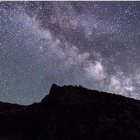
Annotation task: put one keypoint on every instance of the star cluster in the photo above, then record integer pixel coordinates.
(93, 44)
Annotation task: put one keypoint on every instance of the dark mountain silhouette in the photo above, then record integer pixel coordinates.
(72, 113)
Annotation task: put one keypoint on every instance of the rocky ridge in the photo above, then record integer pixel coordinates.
(72, 113)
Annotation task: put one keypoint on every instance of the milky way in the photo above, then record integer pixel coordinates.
(93, 44)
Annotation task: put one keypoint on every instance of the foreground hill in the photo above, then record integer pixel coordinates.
(72, 113)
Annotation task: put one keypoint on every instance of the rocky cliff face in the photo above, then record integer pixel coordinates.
(72, 113)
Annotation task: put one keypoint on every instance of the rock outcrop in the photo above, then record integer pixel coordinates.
(72, 113)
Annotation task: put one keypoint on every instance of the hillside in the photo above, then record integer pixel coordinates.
(72, 113)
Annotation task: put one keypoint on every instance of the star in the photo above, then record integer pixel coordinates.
(93, 44)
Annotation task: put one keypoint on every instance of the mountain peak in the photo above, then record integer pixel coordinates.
(72, 112)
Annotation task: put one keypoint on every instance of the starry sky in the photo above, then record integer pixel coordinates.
(93, 44)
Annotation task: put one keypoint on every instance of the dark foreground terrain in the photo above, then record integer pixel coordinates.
(72, 113)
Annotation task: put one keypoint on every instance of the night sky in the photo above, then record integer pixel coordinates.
(93, 44)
